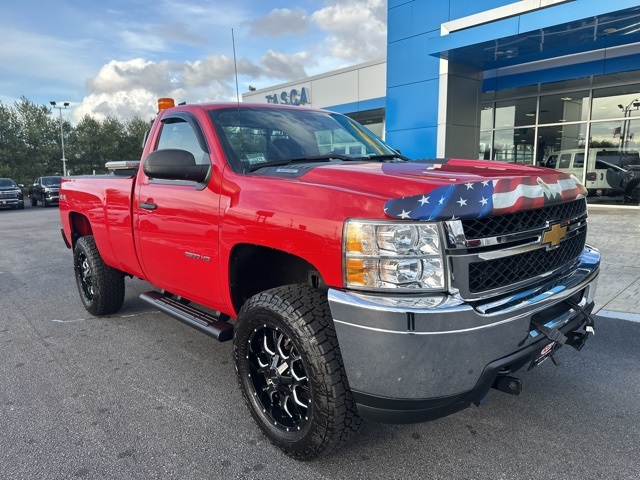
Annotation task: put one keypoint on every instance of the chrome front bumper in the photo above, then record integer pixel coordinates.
(438, 347)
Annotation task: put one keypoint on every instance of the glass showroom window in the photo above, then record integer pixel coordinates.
(485, 146)
(486, 125)
(561, 139)
(515, 113)
(564, 107)
(514, 145)
(616, 102)
(616, 142)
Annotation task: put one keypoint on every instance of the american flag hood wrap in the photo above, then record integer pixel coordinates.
(487, 197)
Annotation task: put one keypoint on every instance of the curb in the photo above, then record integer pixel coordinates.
(630, 317)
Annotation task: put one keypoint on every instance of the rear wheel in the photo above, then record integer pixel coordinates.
(101, 287)
(291, 374)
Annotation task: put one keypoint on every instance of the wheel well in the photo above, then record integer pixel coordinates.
(80, 227)
(254, 268)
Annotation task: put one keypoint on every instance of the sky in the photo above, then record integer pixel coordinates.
(117, 57)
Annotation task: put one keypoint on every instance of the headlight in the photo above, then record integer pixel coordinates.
(393, 255)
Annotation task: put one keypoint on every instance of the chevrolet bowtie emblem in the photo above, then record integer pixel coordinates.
(554, 236)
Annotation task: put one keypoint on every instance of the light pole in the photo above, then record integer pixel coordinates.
(626, 123)
(64, 160)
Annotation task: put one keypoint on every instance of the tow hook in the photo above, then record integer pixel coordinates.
(507, 384)
(578, 339)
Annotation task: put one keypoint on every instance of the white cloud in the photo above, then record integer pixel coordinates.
(137, 73)
(357, 29)
(280, 22)
(213, 69)
(143, 41)
(122, 89)
(122, 104)
(283, 66)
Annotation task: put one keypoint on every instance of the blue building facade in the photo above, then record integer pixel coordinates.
(514, 81)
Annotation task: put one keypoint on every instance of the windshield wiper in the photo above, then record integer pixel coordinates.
(327, 157)
(318, 158)
(389, 156)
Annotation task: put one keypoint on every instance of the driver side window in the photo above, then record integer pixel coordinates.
(177, 133)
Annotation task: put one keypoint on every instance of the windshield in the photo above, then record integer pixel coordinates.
(620, 158)
(257, 137)
(6, 182)
(51, 181)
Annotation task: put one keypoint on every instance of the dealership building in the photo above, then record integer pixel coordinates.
(531, 81)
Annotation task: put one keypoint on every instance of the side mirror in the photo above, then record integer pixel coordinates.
(174, 164)
(21, 185)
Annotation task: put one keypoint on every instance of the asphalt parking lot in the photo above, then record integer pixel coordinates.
(139, 395)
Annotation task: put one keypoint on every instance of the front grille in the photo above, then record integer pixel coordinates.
(501, 272)
(488, 227)
(7, 195)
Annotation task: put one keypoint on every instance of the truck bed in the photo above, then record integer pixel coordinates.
(112, 226)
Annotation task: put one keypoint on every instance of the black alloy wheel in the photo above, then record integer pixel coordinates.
(279, 378)
(290, 371)
(101, 287)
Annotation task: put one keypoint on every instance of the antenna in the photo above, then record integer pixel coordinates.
(235, 68)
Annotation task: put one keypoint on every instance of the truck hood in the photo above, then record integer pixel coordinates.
(451, 189)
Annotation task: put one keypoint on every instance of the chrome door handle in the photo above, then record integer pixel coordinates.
(148, 205)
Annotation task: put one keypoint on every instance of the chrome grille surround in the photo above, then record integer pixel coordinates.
(513, 256)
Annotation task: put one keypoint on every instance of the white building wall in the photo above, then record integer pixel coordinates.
(362, 82)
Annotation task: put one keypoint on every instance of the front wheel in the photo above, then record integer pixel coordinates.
(291, 374)
(101, 287)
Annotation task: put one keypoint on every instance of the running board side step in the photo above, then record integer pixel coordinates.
(202, 321)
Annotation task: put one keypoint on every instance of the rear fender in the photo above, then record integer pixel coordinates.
(80, 227)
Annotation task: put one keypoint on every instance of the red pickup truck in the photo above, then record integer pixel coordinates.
(354, 283)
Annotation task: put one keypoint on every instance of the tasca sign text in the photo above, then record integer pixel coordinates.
(293, 97)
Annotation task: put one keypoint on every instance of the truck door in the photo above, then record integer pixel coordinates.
(177, 221)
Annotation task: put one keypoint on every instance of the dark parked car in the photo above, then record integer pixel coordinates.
(45, 190)
(10, 194)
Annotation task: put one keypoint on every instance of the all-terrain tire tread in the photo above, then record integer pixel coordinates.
(109, 295)
(307, 310)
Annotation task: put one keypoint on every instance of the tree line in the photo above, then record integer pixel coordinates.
(30, 142)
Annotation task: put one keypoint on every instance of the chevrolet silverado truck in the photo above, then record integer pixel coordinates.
(11, 194)
(354, 283)
(45, 190)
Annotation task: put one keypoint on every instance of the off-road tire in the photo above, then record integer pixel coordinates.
(101, 287)
(298, 317)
